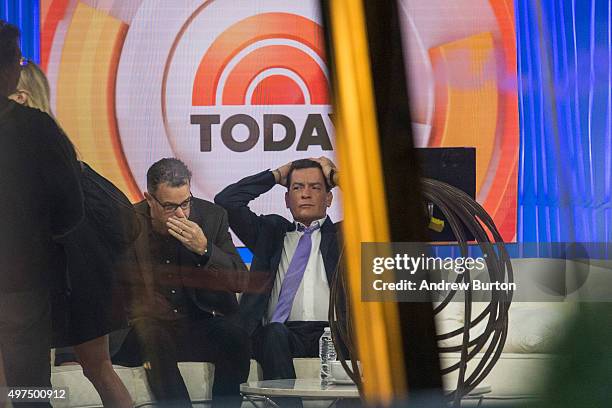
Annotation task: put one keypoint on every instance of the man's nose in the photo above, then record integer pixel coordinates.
(180, 213)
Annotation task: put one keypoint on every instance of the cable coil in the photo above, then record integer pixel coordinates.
(460, 210)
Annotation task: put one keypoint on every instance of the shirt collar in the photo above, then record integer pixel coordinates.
(320, 222)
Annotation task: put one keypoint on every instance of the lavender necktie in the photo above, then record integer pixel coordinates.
(294, 275)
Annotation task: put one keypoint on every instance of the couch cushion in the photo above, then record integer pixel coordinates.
(198, 378)
(81, 392)
(533, 327)
(538, 327)
(513, 376)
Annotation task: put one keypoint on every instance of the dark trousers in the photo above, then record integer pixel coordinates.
(276, 344)
(25, 336)
(163, 343)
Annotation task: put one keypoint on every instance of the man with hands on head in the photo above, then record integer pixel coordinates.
(329, 169)
(181, 281)
(285, 308)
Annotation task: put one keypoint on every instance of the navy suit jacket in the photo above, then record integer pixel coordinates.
(264, 235)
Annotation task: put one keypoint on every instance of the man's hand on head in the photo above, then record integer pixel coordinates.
(330, 171)
(280, 174)
(188, 233)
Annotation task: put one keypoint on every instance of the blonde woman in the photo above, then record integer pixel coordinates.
(33, 88)
(86, 310)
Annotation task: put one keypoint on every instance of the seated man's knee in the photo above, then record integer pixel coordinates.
(243, 345)
(275, 330)
(274, 335)
(237, 342)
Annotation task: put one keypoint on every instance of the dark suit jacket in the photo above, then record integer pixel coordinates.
(211, 280)
(41, 198)
(264, 235)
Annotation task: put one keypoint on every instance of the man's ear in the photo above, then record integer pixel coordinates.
(148, 198)
(287, 199)
(329, 198)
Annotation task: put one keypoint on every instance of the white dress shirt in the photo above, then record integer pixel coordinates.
(311, 302)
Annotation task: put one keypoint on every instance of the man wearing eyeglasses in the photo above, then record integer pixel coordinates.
(182, 280)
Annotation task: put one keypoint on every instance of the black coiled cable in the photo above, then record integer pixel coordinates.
(460, 210)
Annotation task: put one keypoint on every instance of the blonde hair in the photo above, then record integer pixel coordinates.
(34, 83)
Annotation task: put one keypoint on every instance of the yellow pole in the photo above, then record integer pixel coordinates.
(365, 211)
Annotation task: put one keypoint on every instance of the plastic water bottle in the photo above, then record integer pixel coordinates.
(327, 353)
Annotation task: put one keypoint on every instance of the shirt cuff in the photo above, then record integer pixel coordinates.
(202, 260)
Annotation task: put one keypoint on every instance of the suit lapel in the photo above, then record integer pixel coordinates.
(329, 248)
(278, 250)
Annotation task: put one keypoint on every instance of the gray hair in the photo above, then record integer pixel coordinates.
(168, 170)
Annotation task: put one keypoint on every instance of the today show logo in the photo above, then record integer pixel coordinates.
(242, 89)
(266, 60)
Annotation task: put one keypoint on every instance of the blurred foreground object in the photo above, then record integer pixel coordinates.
(462, 211)
(395, 341)
(582, 372)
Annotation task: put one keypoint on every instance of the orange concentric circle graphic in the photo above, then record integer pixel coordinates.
(234, 87)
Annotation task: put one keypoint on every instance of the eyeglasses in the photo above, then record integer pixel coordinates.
(170, 208)
(23, 61)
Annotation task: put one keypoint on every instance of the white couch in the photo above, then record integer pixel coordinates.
(534, 330)
(198, 379)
